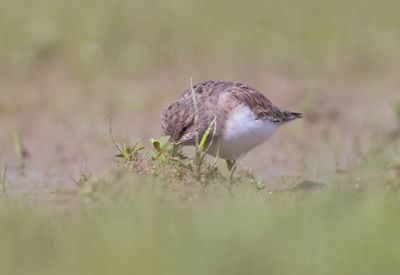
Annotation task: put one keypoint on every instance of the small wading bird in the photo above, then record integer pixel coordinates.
(241, 118)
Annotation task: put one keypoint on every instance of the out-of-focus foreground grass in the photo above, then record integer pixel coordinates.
(132, 36)
(163, 221)
(241, 232)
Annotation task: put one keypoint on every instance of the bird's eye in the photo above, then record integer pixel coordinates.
(183, 131)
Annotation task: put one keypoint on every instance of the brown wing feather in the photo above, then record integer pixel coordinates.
(260, 105)
(256, 101)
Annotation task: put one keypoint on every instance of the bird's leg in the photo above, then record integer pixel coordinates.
(229, 164)
(232, 164)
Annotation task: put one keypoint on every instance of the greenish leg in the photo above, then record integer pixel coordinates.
(232, 164)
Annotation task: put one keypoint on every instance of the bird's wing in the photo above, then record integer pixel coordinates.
(260, 105)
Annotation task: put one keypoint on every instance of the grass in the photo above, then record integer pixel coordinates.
(136, 36)
(144, 232)
(20, 151)
(160, 220)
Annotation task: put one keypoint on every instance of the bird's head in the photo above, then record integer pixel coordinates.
(178, 123)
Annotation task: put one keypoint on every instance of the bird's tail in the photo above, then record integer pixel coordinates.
(291, 116)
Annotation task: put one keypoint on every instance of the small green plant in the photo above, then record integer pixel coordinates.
(162, 148)
(166, 152)
(259, 185)
(204, 138)
(126, 152)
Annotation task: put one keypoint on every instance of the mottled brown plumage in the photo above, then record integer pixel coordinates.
(217, 99)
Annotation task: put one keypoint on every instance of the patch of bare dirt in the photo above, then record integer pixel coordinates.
(63, 121)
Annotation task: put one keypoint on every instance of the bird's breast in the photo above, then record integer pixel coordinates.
(242, 132)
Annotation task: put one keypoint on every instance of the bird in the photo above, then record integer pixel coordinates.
(236, 116)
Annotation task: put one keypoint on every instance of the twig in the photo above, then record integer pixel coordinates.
(205, 136)
(196, 123)
(216, 155)
(113, 139)
(233, 169)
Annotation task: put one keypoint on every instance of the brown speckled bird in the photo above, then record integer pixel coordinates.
(242, 118)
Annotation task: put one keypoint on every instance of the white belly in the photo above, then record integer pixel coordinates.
(242, 133)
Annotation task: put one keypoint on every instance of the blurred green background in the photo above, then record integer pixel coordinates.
(138, 36)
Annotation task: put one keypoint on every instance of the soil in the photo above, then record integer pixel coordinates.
(63, 122)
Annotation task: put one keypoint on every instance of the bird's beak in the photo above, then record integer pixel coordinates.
(184, 141)
(180, 142)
